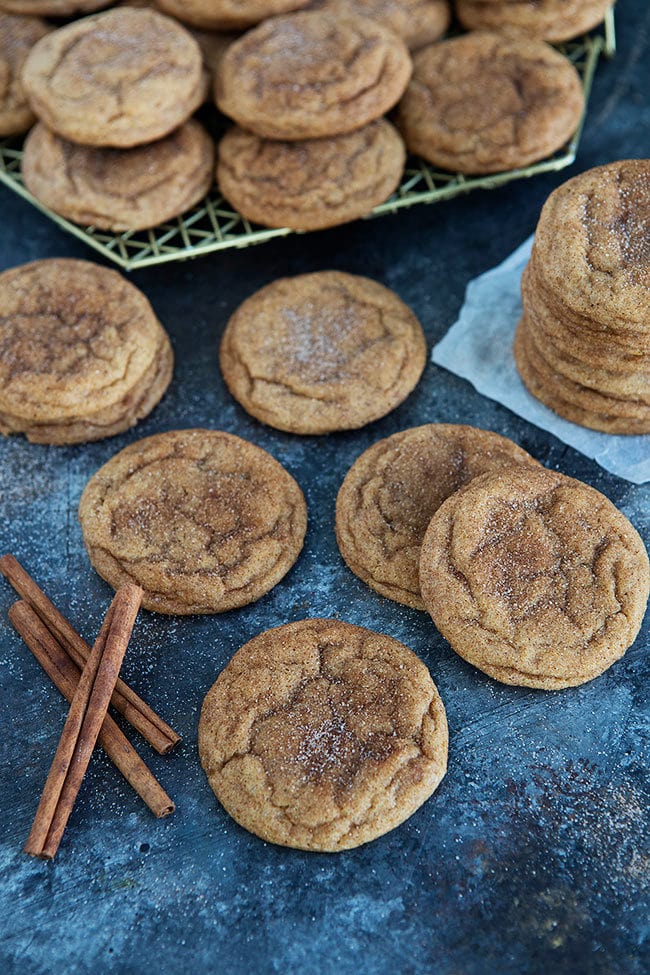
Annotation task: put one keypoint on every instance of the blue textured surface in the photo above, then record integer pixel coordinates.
(533, 854)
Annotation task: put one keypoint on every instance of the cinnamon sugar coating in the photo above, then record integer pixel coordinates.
(313, 183)
(82, 355)
(17, 36)
(484, 102)
(393, 489)
(322, 352)
(227, 14)
(203, 520)
(534, 578)
(120, 78)
(417, 22)
(321, 735)
(550, 20)
(312, 74)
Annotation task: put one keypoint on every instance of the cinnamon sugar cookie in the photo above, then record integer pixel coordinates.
(312, 74)
(314, 183)
(550, 20)
(485, 102)
(535, 578)
(120, 78)
(203, 520)
(120, 189)
(392, 490)
(322, 736)
(17, 36)
(322, 352)
(82, 355)
(227, 14)
(417, 22)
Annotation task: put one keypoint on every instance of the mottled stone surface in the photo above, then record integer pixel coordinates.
(532, 856)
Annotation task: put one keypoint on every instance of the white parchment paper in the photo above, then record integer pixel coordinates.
(478, 347)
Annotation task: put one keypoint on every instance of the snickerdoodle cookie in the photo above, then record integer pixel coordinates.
(120, 189)
(417, 22)
(17, 37)
(314, 183)
(82, 355)
(551, 20)
(120, 78)
(203, 520)
(321, 735)
(322, 352)
(535, 578)
(392, 490)
(312, 74)
(486, 102)
(583, 344)
(227, 14)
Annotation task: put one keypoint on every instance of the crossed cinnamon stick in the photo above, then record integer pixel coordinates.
(89, 680)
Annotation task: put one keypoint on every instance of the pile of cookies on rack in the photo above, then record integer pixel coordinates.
(308, 86)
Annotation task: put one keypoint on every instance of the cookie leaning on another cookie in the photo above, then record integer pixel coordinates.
(203, 520)
(120, 189)
(312, 74)
(393, 489)
(314, 183)
(534, 578)
(322, 352)
(322, 736)
(82, 355)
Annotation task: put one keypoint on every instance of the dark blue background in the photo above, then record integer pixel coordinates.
(533, 854)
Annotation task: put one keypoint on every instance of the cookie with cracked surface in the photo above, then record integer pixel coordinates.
(535, 578)
(322, 352)
(417, 22)
(120, 78)
(314, 183)
(485, 102)
(550, 20)
(17, 36)
(203, 520)
(393, 489)
(227, 14)
(321, 735)
(312, 74)
(120, 189)
(82, 355)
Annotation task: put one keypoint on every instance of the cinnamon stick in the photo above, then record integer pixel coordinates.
(85, 718)
(152, 727)
(65, 676)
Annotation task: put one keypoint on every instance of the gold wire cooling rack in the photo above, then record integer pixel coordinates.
(213, 225)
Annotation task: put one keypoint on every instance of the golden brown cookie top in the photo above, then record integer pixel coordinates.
(592, 244)
(322, 352)
(74, 338)
(313, 183)
(484, 102)
(120, 189)
(417, 22)
(322, 735)
(392, 490)
(551, 20)
(535, 578)
(312, 74)
(227, 14)
(120, 78)
(203, 520)
(17, 36)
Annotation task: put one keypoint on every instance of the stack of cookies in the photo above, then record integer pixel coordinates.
(114, 147)
(583, 344)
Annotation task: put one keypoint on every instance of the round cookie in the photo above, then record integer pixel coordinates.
(312, 74)
(203, 520)
(314, 183)
(550, 20)
(120, 78)
(227, 14)
(120, 189)
(322, 352)
(485, 103)
(534, 578)
(417, 22)
(322, 736)
(17, 36)
(392, 490)
(52, 8)
(82, 355)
